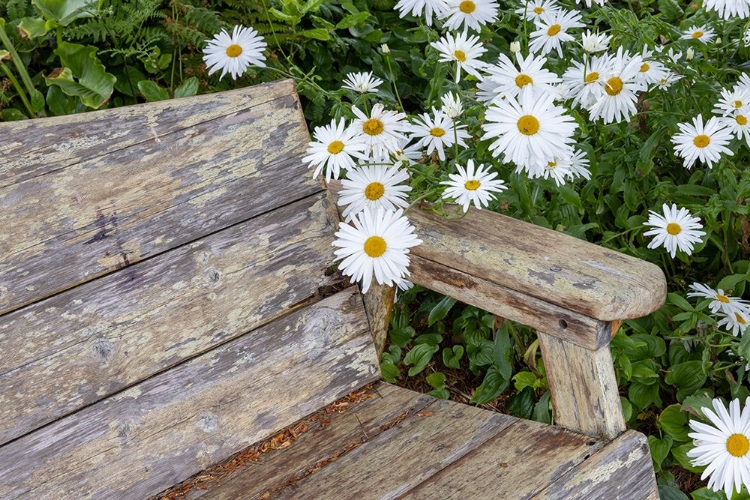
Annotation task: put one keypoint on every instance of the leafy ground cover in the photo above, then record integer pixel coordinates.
(647, 102)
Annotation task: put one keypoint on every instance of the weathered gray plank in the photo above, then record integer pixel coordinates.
(583, 387)
(78, 347)
(31, 148)
(169, 427)
(379, 306)
(324, 442)
(517, 463)
(622, 470)
(108, 211)
(402, 457)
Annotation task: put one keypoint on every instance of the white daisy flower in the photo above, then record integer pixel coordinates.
(406, 155)
(382, 131)
(487, 90)
(438, 133)
(675, 230)
(532, 74)
(699, 142)
(469, 186)
(735, 323)
(529, 130)
(586, 84)
(617, 103)
(594, 42)
(728, 9)
(373, 186)
(334, 147)
(535, 9)
(651, 71)
(588, 2)
(565, 168)
(744, 82)
(378, 244)
(552, 31)
(702, 33)
(738, 124)
(464, 51)
(416, 7)
(724, 446)
(731, 101)
(452, 106)
(720, 301)
(667, 81)
(472, 14)
(233, 54)
(362, 83)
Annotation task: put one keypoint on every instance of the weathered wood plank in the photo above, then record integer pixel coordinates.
(622, 470)
(328, 440)
(169, 427)
(517, 463)
(108, 211)
(78, 347)
(402, 457)
(583, 387)
(31, 148)
(379, 306)
(507, 303)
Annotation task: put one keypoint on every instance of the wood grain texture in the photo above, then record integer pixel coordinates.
(507, 303)
(88, 211)
(76, 348)
(517, 463)
(379, 306)
(583, 387)
(622, 470)
(167, 428)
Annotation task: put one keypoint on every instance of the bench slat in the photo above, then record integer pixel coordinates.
(76, 348)
(87, 219)
(167, 428)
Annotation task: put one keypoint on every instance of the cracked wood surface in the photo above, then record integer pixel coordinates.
(82, 345)
(98, 191)
(175, 424)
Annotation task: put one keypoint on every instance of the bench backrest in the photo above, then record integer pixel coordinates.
(163, 292)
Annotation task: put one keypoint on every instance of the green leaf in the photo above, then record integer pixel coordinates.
(694, 404)
(744, 348)
(390, 372)
(680, 455)
(419, 356)
(63, 12)
(441, 310)
(281, 16)
(694, 190)
(541, 410)
(59, 104)
(429, 338)
(503, 353)
(708, 494)
(659, 450)
(311, 6)
(436, 380)
(32, 27)
(688, 377)
(522, 380)
(12, 114)
(670, 9)
(452, 356)
(627, 408)
(317, 34)
(352, 20)
(649, 347)
(521, 404)
(491, 387)
(730, 282)
(667, 492)
(442, 393)
(679, 301)
(83, 75)
(152, 91)
(483, 354)
(37, 101)
(643, 395)
(674, 422)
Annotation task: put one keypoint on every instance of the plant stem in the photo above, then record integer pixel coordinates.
(393, 81)
(19, 89)
(516, 337)
(17, 61)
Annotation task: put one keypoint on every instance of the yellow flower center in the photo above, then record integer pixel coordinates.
(644, 67)
(538, 11)
(437, 132)
(234, 50)
(738, 104)
(373, 126)
(554, 30)
(374, 191)
(740, 320)
(697, 34)
(738, 445)
(551, 164)
(467, 6)
(472, 185)
(701, 141)
(335, 147)
(460, 55)
(614, 86)
(522, 80)
(741, 120)
(722, 298)
(528, 125)
(674, 229)
(375, 246)
(591, 77)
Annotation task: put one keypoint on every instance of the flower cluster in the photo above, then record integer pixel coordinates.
(732, 313)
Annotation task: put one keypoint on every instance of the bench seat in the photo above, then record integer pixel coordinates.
(384, 441)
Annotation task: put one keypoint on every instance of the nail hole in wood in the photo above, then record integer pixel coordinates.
(563, 324)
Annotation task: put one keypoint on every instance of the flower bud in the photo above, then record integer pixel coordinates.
(385, 49)
(515, 47)
(690, 54)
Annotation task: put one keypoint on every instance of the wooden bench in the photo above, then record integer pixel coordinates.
(167, 299)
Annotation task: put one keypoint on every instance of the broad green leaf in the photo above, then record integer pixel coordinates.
(521, 404)
(502, 354)
(281, 16)
(627, 408)
(63, 12)
(32, 27)
(58, 102)
(659, 450)
(679, 301)
(436, 380)
(680, 455)
(744, 347)
(419, 356)
(667, 492)
(352, 20)
(37, 101)
(311, 6)
(152, 91)
(401, 336)
(491, 387)
(482, 355)
(441, 310)
(522, 380)
(688, 377)
(644, 395)
(649, 347)
(83, 75)
(390, 372)
(317, 34)
(12, 114)
(708, 494)
(452, 356)
(670, 9)
(542, 411)
(429, 338)
(694, 404)
(441, 393)
(674, 422)
(730, 282)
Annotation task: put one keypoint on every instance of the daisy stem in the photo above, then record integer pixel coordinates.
(455, 142)
(420, 199)
(525, 29)
(586, 65)
(273, 31)
(393, 81)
